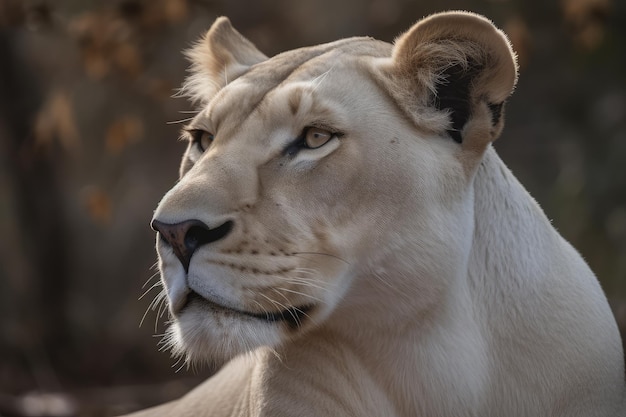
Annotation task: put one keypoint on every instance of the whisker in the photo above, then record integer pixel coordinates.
(304, 314)
(149, 279)
(157, 299)
(173, 122)
(263, 309)
(295, 308)
(155, 285)
(309, 271)
(307, 276)
(178, 92)
(283, 308)
(307, 285)
(159, 314)
(305, 282)
(165, 343)
(278, 289)
(185, 362)
(322, 254)
(144, 316)
(154, 300)
(165, 308)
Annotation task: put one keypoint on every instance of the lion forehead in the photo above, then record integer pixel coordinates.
(240, 98)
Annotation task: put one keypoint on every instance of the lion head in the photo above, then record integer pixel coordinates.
(328, 184)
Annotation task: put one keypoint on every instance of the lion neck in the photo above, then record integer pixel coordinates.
(423, 340)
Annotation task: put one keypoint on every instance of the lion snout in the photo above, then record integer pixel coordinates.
(187, 236)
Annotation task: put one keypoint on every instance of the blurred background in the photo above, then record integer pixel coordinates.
(88, 145)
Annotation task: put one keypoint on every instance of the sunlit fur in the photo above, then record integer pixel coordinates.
(433, 283)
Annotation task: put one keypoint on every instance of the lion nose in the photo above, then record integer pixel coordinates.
(185, 237)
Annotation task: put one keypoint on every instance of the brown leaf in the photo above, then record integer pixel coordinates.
(106, 43)
(98, 205)
(96, 65)
(122, 132)
(55, 121)
(127, 58)
(520, 37)
(175, 11)
(12, 13)
(159, 88)
(586, 20)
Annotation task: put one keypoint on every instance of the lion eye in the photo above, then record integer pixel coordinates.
(201, 138)
(315, 137)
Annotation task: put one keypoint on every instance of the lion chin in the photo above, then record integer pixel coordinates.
(344, 240)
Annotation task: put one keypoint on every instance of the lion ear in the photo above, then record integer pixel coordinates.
(222, 55)
(456, 68)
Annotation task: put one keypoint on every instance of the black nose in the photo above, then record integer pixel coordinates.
(185, 237)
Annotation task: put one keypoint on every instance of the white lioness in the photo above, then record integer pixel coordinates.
(345, 239)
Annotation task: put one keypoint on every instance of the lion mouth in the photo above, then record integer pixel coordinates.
(292, 316)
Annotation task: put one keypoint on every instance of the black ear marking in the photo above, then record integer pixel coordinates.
(453, 94)
(496, 112)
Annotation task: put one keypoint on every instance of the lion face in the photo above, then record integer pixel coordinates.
(308, 177)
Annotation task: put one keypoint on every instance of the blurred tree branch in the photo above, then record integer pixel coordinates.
(39, 275)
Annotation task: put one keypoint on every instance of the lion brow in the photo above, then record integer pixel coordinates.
(268, 76)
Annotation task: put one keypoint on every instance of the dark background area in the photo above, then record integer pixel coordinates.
(88, 145)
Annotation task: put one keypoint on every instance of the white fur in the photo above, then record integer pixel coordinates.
(439, 286)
